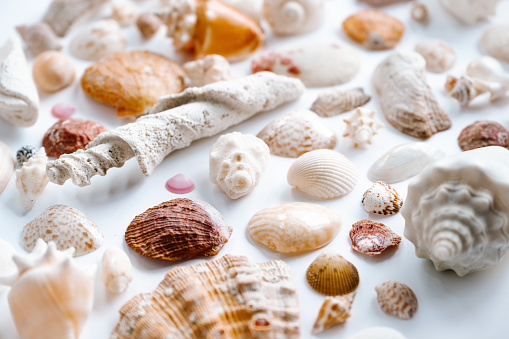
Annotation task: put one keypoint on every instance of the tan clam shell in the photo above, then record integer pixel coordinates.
(6, 166)
(334, 310)
(53, 71)
(371, 237)
(335, 101)
(332, 275)
(396, 299)
(323, 174)
(294, 227)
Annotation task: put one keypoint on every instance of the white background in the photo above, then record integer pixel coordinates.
(474, 306)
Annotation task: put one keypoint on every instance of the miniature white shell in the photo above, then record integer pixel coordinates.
(471, 11)
(6, 166)
(495, 42)
(404, 161)
(211, 68)
(51, 296)
(66, 227)
(252, 8)
(19, 101)
(236, 161)
(323, 174)
(287, 17)
(335, 101)
(116, 270)
(7, 266)
(31, 179)
(381, 199)
(378, 333)
(362, 125)
(334, 310)
(457, 210)
(98, 39)
(439, 55)
(124, 13)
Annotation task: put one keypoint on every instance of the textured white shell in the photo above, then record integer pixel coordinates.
(7, 266)
(31, 179)
(457, 210)
(288, 17)
(495, 42)
(439, 55)
(19, 100)
(97, 40)
(404, 161)
(361, 126)
(378, 333)
(236, 161)
(471, 11)
(116, 270)
(294, 227)
(6, 166)
(381, 199)
(252, 8)
(323, 174)
(211, 68)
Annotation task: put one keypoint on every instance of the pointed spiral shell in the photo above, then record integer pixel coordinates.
(287, 17)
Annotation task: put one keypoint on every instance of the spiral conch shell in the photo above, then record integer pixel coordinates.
(457, 210)
(288, 17)
(236, 161)
(31, 179)
(334, 310)
(361, 126)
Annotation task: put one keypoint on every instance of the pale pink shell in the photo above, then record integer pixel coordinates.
(371, 237)
(179, 184)
(62, 111)
(396, 299)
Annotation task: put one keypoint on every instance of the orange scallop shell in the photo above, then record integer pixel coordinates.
(371, 237)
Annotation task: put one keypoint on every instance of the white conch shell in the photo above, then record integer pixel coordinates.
(7, 165)
(19, 101)
(362, 125)
(323, 174)
(404, 161)
(51, 296)
(7, 266)
(495, 42)
(211, 68)
(470, 12)
(287, 17)
(116, 270)
(378, 333)
(252, 8)
(236, 161)
(465, 89)
(439, 55)
(31, 179)
(457, 210)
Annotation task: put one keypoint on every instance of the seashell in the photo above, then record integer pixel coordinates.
(472, 11)
(371, 237)
(251, 8)
(236, 162)
(53, 71)
(51, 296)
(331, 274)
(361, 126)
(315, 63)
(148, 24)
(124, 13)
(116, 270)
(212, 68)
(39, 38)
(62, 111)
(495, 41)
(211, 27)
(114, 80)
(6, 165)
(31, 179)
(296, 133)
(378, 333)
(294, 227)
(25, 153)
(323, 174)
(374, 29)
(335, 101)
(178, 229)
(483, 133)
(97, 40)
(62, 15)
(396, 299)
(179, 184)
(439, 55)
(289, 17)
(382, 2)
(69, 135)
(406, 99)
(67, 227)
(404, 161)
(7, 266)
(334, 310)
(381, 199)
(225, 298)
(19, 101)
(466, 89)
(488, 69)
(455, 211)
(419, 12)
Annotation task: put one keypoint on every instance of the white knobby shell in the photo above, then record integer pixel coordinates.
(378, 333)
(381, 199)
(439, 55)
(180, 18)
(288, 17)
(252, 8)
(404, 161)
(323, 174)
(116, 270)
(335, 101)
(211, 68)
(31, 179)
(361, 126)
(124, 13)
(495, 42)
(7, 165)
(7, 266)
(472, 11)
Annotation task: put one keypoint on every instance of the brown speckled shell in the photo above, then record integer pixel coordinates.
(396, 299)
(382, 199)
(331, 274)
(483, 133)
(371, 237)
(177, 229)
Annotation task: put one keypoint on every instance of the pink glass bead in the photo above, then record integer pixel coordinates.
(179, 184)
(62, 111)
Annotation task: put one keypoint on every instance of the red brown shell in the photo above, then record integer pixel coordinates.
(178, 229)
(483, 133)
(371, 237)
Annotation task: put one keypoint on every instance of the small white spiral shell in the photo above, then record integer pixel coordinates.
(288, 17)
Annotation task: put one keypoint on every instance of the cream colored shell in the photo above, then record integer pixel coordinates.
(335, 101)
(439, 55)
(381, 199)
(294, 227)
(472, 11)
(7, 266)
(211, 68)
(124, 13)
(396, 299)
(53, 71)
(361, 126)
(31, 179)
(495, 42)
(378, 333)
(323, 174)
(288, 17)
(334, 310)
(116, 270)
(7, 165)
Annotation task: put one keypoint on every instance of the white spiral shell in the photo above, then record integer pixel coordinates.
(288, 17)
(31, 179)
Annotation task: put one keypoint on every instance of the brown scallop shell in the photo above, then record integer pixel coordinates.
(132, 81)
(483, 133)
(396, 299)
(331, 274)
(371, 237)
(177, 229)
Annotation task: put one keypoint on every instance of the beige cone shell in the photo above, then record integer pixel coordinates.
(31, 180)
(334, 310)
(331, 274)
(396, 299)
(116, 270)
(6, 166)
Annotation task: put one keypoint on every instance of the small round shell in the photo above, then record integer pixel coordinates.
(419, 12)
(148, 24)
(53, 71)
(116, 270)
(331, 274)
(25, 153)
(439, 55)
(334, 310)
(396, 299)
(381, 199)
(287, 17)
(323, 174)
(483, 133)
(99, 39)
(371, 237)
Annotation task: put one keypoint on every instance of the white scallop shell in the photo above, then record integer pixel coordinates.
(6, 166)
(471, 11)
(361, 126)
(495, 42)
(439, 55)
(378, 333)
(7, 266)
(116, 270)
(287, 17)
(323, 174)
(31, 179)
(404, 161)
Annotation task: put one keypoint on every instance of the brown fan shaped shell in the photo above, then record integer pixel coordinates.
(371, 237)
(178, 229)
(332, 275)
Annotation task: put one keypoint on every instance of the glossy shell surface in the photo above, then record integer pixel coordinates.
(288, 17)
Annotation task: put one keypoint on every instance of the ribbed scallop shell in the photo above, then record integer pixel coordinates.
(294, 227)
(396, 299)
(381, 199)
(6, 166)
(371, 237)
(335, 101)
(323, 174)
(334, 310)
(378, 333)
(331, 274)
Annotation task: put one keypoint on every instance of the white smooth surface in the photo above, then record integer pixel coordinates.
(474, 306)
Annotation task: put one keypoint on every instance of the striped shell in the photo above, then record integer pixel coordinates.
(334, 310)
(323, 174)
(371, 237)
(396, 299)
(331, 274)
(6, 166)
(335, 101)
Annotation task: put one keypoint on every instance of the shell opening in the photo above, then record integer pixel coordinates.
(260, 323)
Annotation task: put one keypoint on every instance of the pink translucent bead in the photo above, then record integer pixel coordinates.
(62, 111)
(179, 184)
